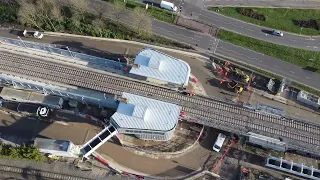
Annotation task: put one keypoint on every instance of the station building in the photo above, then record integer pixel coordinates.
(146, 118)
(161, 68)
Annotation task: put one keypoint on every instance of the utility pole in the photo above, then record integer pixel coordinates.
(22, 42)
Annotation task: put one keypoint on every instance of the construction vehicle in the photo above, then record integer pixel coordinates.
(235, 77)
(35, 34)
(238, 88)
(189, 90)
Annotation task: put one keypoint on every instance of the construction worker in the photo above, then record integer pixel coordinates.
(239, 89)
(245, 78)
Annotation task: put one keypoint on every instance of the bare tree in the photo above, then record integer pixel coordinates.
(56, 12)
(28, 14)
(49, 11)
(142, 21)
(99, 25)
(118, 10)
(101, 10)
(79, 7)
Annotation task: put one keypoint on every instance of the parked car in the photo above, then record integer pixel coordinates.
(277, 33)
(219, 142)
(168, 6)
(35, 34)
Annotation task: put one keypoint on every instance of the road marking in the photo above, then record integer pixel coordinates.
(313, 46)
(292, 72)
(276, 66)
(199, 14)
(308, 78)
(216, 47)
(241, 54)
(293, 40)
(173, 32)
(310, 39)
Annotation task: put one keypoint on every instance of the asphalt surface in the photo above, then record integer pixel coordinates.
(213, 45)
(199, 11)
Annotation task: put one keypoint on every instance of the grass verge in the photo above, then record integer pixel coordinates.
(276, 18)
(303, 58)
(155, 12)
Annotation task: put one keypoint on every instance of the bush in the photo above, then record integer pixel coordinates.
(311, 23)
(251, 13)
(8, 12)
(21, 152)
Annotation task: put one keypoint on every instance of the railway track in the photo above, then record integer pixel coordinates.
(36, 173)
(204, 110)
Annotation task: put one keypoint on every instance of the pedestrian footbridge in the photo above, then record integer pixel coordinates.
(107, 133)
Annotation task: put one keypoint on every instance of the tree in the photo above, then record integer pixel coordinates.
(142, 22)
(56, 12)
(79, 8)
(118, 10)
(28, 14)
(49, 11)
(98, 25)
(44, 13)
(100, 10)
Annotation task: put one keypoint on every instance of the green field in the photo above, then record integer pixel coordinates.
(157, 13)
(276, 18)
(300, 57)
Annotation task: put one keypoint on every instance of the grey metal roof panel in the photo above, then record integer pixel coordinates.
(157, 65)
(145, 113)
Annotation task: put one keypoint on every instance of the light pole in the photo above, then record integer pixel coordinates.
(22, 42)
(69, 51)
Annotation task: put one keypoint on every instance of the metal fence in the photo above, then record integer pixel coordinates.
(65, 51)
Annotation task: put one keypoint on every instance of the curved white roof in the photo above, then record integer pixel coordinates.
(157, 65)
(145, 113)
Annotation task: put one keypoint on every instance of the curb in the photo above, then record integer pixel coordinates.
(272, 97)
(85, 116)
(193, 54)
(131, 175)
(11, 112)
(166, 155)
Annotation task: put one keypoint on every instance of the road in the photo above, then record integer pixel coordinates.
(199, 12)
(213, 45)
(197, 9)
(267, 3)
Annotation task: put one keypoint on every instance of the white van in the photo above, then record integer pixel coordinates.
(219, 142)
(168, 6)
